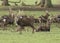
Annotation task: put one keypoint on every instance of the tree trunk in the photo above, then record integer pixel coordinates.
(48, 3)
(45, 3)
(5, 3)
(42, 3)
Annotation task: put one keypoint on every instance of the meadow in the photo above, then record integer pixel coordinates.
(27, 37)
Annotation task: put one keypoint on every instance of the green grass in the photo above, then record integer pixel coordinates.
(27, 37)
(33, 13)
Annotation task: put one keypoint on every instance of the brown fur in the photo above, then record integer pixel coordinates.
(44, 19)
(26, 21)
(44, 27)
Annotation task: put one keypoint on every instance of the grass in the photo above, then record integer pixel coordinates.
(27, 37)
(42, 37)
(33, 13)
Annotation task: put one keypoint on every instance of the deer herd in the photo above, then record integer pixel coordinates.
(44, 21)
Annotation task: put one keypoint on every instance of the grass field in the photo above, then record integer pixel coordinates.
(27, 37)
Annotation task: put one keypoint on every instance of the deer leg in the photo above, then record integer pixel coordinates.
(3, 26)
(21, 29)
(33, 28)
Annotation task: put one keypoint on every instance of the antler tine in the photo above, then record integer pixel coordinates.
(10, 10)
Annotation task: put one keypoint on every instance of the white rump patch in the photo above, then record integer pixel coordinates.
(46, 11)
(4, 20)
(21, 17)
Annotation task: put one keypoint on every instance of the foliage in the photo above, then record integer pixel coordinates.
(32, 2)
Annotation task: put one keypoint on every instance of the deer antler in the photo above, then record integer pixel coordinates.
(10, 10)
